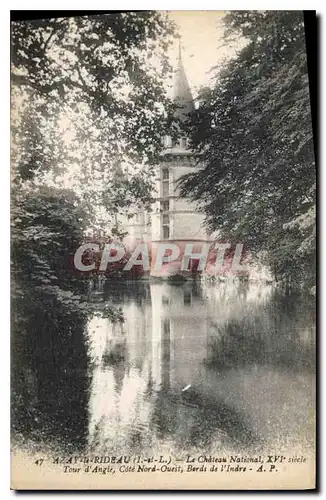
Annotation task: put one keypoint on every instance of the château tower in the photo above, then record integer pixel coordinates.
(173, 218)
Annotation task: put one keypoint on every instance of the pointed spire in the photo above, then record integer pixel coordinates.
(181, 90)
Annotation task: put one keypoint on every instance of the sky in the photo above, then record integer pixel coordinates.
(202, 44)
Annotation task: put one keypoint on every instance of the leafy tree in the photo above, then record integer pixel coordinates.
(88, 104)
(99, 79)
(253, 137)
(88, 113)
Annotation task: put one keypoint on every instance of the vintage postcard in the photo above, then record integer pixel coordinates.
(163, 252)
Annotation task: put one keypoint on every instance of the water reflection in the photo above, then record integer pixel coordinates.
(197, 367)
(206, 367)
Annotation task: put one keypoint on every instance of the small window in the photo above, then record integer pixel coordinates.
(165, 189)
(166, 219)
(166, 232)
(165, 174)
(183, 142)
(165, 205)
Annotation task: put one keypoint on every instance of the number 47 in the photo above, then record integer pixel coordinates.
(39, 461)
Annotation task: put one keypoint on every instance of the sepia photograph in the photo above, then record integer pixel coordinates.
(163, 251)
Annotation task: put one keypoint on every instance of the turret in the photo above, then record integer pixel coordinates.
(181, 95)
(182, 98)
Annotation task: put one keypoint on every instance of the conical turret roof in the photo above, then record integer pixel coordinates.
(181, 91)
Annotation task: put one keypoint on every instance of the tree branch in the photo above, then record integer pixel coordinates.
(46, 44)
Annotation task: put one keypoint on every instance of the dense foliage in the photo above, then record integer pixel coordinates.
(88, 113)
(88, 110)
(253, 137)
(88, 105)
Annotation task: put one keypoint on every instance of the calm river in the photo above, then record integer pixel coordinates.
(198, 367)
(195, 367)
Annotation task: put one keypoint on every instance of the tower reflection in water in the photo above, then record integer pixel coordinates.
(155, 386)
